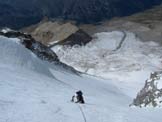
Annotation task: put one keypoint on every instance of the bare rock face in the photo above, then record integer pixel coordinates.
(78, 38)
(51, 33)
(151, 93)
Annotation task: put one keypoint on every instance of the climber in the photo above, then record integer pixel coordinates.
(78, 97)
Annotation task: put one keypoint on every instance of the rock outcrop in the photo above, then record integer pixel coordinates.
(65, 33)
(151, 93)
(29, 42)
(40, 50)
(78, 38)
(51, 32)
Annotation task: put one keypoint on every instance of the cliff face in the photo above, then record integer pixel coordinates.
(52, 33)
(20, 13)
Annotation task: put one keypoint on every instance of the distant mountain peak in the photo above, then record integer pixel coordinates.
(20, 14)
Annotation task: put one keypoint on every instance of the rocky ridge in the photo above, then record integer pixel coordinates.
(151, 93)
(40, 50)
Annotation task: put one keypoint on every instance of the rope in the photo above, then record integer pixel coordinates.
(84, 117)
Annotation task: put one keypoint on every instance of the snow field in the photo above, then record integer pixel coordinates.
(28, 94)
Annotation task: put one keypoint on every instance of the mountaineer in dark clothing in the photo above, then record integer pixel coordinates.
(79, 97)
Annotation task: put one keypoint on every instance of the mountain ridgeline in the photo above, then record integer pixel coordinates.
(20, 13)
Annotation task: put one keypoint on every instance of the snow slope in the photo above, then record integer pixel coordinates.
(116, 55)
(14, 53)
(29, 95)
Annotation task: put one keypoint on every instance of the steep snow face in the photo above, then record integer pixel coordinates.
(116, 55)
(13, 54)
(28, 96)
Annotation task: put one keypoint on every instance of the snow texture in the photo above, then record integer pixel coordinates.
(116, 55)
(29, 94)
